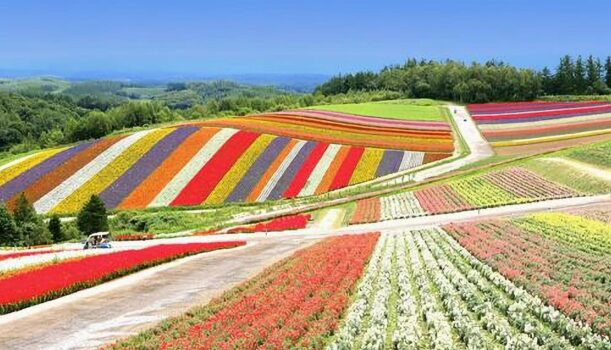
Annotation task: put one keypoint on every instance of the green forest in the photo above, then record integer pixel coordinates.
(475, 82)
(45, 112)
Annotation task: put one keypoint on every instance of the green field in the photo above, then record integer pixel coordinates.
(34, 85)
(597, 154)
(568, 176)
(425, 110)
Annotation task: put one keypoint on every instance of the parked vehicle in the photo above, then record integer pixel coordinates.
(98, 240)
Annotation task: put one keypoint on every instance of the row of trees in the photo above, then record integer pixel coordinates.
(24, 227)
(578, 77)
(491, 81)
(30, 122)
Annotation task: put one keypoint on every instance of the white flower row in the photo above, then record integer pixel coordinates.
(524, 304)
(269, 186)
(375, 336)
(400, 205)
(407, 334)
(319, 171)
(351, 326)
(411, 160)
(460, 298)
(203, 156)
(439, 327)
(86, 173)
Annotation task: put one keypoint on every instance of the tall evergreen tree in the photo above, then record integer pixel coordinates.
(593, 71)
(30, 226)
(55, 228)
(579, 76)
(9, 236)
(24, 211)
(547, 81)
(608, 71)
(93, 217)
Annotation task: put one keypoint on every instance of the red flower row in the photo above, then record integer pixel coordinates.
(36, 286)
(291, 222)
(296, 303)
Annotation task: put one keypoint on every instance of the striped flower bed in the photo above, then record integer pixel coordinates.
(333, 127)
(206, 163)
(502, 187)
(53, 281)
(507, 124)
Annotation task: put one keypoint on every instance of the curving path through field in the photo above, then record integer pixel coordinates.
(92, 317)
(95, 316)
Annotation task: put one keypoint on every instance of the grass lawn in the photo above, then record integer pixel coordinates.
(425, 110)
(567, 176)
(597, 154)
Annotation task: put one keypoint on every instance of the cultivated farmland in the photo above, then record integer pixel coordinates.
(249, 159)
(515, 124)
(501, 187)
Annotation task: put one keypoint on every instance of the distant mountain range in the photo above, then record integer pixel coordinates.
(293, 82)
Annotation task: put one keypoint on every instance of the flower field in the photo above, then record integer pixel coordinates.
(133, 237)
(510, 124)
(357, 130)
(501, 187)
(248, 159)
(296, 303)
(564, 259)
(422, 290)
(33, 286)
(14, 255)
(291, 222)
(367, 210)
(419, 289)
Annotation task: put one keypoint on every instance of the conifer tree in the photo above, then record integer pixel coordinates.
(93, 217)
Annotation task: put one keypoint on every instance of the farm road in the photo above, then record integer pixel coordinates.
(93, 317)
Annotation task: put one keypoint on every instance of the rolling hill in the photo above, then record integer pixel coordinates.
(247, 159)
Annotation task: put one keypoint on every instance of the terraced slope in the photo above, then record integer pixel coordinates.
(248, 159)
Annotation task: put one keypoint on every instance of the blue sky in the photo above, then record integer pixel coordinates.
(313, 36)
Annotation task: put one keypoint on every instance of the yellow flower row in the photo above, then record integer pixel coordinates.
(238, 170)
(110, 173)
(12, 172)
(367, 166)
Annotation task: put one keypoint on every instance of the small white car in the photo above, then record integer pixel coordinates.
(98, 240)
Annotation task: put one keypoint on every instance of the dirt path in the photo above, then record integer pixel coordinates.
(479, 148)
(95, 316)
(585, 168)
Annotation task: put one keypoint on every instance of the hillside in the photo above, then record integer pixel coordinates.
(244, 159)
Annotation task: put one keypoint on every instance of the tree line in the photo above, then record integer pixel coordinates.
(31, 121)
(475, 82)
(23, 227)
(34, 121)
